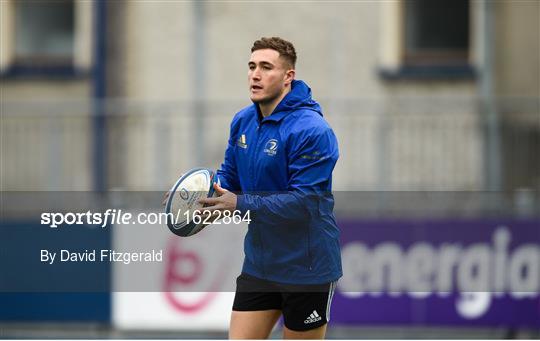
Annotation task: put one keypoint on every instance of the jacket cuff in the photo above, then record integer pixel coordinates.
(241, 204)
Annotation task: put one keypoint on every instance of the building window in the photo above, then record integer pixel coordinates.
(44, 32)
(426, 40)
(436, 32)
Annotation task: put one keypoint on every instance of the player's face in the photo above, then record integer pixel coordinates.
(267, 76)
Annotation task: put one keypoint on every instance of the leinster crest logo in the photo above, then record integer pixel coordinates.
(271, 147)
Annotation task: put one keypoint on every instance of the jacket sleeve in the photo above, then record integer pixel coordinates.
(227, 174)
(312, 156)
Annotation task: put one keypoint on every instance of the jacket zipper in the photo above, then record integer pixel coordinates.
(253, 174)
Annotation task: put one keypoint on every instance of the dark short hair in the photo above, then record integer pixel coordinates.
(285, 48)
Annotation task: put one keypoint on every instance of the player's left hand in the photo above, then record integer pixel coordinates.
(225, 201)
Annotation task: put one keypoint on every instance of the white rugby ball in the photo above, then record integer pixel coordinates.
(194, 185)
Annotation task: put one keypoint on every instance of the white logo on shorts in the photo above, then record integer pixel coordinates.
(314, 317)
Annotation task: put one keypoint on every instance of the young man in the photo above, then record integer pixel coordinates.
(279, 159)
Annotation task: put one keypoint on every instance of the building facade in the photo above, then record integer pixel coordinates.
(423, 95)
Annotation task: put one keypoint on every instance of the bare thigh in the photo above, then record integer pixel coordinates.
(317, 333)
(252, 324)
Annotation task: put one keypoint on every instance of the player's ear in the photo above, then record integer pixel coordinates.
(289, 76)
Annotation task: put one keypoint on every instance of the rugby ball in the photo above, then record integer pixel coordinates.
(183, 199)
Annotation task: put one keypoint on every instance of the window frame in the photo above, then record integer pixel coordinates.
(79, 65)
(397, 64)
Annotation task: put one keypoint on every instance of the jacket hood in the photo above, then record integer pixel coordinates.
(298, 98)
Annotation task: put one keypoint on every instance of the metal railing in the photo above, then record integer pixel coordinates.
(412, 144)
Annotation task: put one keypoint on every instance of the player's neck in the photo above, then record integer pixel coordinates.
(268, 108)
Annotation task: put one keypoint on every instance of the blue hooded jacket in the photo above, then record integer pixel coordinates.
(282, 165)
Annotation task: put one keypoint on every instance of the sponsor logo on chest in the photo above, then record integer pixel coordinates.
(241, 142)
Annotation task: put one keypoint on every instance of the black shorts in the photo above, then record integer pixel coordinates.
(304, 307)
